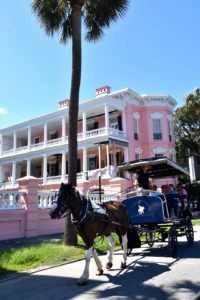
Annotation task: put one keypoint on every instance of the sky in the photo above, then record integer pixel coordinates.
(153, 49)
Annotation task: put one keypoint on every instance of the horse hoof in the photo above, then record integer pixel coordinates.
(123, 265)
(99, 272)
(82, 282)
(109, 265)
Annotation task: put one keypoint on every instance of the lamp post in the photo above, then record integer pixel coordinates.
(99, 146)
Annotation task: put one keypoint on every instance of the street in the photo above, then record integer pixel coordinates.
(151, 274)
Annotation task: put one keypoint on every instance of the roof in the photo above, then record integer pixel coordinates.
(159, 167)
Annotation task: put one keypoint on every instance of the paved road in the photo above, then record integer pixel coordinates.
(151, 274)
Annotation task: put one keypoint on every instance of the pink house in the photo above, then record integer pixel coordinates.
(114, 127)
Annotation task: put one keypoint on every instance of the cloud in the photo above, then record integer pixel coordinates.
(3, 111)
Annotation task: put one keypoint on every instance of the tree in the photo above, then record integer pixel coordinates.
(187, 128)
(65, 17)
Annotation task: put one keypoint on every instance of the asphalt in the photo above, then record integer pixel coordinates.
(151, 274)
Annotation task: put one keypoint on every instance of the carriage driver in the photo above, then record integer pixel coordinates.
(143, 179)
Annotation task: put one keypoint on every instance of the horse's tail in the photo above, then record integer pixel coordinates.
(133, 238)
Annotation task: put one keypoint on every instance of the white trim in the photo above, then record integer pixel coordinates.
(158, 150)
(136, 115)
(156, 115)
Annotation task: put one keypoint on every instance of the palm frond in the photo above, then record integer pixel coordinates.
(100, 14)
(52, 14)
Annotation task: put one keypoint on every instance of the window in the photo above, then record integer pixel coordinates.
(135, 129)
(53, 135)
(170, 130)
(157, 133)
(114, 123)
(92, 163)
(37, 140)
(137, 156)
(92, 126)
(159, 155)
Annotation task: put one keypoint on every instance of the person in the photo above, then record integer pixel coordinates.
(172, 197)
(143, 178)
(155, 191)
(183, 196)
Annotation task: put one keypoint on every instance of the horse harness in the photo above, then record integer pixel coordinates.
(88, 212)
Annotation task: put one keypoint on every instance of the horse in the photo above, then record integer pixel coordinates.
(90, 224)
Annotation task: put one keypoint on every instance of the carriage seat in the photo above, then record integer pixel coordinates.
(145, 209)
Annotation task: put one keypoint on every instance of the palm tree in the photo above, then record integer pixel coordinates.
(65, 17)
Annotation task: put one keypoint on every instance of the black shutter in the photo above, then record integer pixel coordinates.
(120, 122)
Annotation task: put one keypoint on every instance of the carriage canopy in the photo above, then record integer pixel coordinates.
(159, 167)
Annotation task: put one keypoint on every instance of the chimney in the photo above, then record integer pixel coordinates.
(63, 104)
(102, 91)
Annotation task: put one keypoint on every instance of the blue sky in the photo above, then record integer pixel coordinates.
(154, 49)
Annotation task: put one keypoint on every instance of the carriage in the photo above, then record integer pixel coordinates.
(138, 215)
(153, 214)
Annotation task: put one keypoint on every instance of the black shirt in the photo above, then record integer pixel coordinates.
(143, 180)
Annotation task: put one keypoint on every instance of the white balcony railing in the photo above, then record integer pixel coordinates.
(10, 200)
(59, 141)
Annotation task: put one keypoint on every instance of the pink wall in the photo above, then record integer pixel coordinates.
(146, 141)
(30, 220)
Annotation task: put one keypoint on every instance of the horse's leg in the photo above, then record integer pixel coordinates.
(98, 262)
(111, 243)
(84, 278)
(124, 245)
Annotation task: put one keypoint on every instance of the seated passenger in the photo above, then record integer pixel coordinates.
(155, 191)
(172, 200)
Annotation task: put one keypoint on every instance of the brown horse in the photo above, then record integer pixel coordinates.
(90, 223)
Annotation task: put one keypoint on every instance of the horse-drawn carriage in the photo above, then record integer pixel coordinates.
(150, 212)
(140, 214)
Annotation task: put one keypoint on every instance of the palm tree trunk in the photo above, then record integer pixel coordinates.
(70, 235)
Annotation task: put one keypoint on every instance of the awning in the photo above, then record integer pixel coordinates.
(118, 142)
(159, 167)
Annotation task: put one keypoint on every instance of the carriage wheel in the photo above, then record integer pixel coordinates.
(189, 233)
(149, 238)
(173, 242)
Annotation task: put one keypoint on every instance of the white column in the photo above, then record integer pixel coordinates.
(63, 130)
(13, 173)
(85, 167)
(126, 154)
(29, 138)
(1, 173)
(28, 168)
(84, 125)
(45, 134)
(1, 144)
(14, 141)
(63, 167)
(107, 155)
(44, 169)
(106, 118)
(124, 121)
